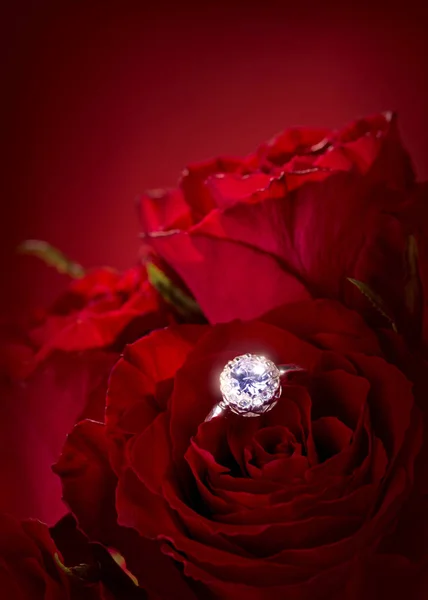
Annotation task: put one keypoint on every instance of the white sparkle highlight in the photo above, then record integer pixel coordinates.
(250, 385)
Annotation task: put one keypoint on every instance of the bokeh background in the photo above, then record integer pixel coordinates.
(102, 100)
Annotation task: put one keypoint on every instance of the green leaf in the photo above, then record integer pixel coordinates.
(52, 257)
(375, 300)
(183, 303)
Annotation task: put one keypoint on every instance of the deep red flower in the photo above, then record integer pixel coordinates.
(102, 309)
(89, 485)
(300, 503)
(308, 210)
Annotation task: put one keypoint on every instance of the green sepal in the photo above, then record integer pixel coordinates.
(52, 257)
(84, 573)
(184, 304)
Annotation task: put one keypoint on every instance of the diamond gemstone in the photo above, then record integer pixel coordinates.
(250, 385)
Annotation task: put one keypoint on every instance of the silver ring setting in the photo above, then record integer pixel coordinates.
(250, 385)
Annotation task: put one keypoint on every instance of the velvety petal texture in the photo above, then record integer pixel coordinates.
(293, 504)
(297, 218)
(103, 308)
(89, 488)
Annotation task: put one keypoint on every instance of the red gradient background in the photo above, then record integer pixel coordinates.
(103, 100)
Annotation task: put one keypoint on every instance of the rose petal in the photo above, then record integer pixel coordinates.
(330, 435)
(273, 286)
(150, 361)
(151, 469)
(160, 210)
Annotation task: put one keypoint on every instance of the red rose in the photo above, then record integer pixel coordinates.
(55, 373)
(89, 485)
(305, 212)
(103, 309)
(300, 503)
(30, 566)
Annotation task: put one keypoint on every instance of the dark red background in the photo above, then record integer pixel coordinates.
(102, 100)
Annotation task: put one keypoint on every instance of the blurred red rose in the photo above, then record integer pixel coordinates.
(306, 211)
(103, 309)
(31, 566)
(54, 373)
(300, 503)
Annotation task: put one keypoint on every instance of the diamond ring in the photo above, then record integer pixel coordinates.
(250, 385)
